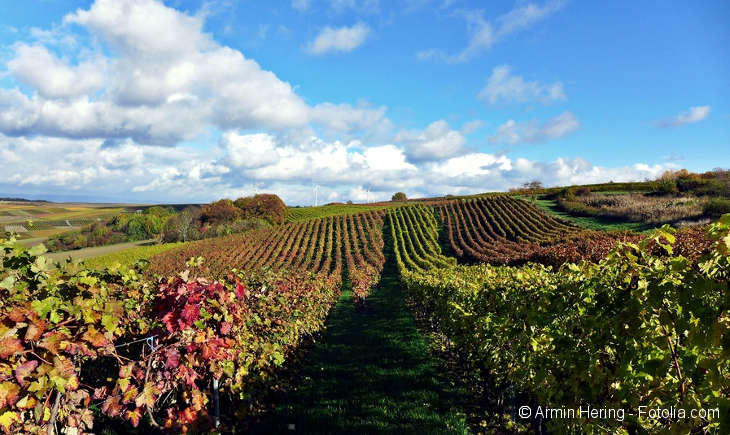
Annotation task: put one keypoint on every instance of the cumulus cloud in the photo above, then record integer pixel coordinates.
(36, 67)
(249, 162)
(484, 34)
(437, 141)
(694, 114)
(513, 133)
(165, 81)
(502, 86)
(341, 39)
(113, 119)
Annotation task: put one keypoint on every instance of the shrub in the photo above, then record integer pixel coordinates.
(583, 191)
(220, 211)
(667, 186)
(717, 207)
(399, 196)
(265, 206)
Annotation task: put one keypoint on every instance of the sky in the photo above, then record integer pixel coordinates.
(183, 101)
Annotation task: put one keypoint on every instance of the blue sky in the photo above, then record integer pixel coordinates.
(140, 100)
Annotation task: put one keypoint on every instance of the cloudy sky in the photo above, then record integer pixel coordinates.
(190, 101)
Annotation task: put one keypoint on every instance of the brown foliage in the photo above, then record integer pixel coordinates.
(220, 211)
(265, 206)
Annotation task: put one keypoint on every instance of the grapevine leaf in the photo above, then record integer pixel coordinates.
(9, 346)
(24, 370)
(37, 250)
(173, 358)
(7, 419)
(148, 396)
(133, 416)
(8, 394)
(109, 322)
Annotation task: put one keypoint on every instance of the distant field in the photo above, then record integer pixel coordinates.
(592, 223)
(297, 214)
(83, 254)
(129, 256)
(42, 219)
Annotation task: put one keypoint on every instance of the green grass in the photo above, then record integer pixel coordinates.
(297, 214)
(588, 222)
(128, 256)
(371, 373)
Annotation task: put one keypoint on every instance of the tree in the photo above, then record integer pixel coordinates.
(183, 226)
(220, 211)
(399, 196)
(265, 206)
(532, 187)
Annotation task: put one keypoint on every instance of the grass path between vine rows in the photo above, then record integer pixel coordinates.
(371, 372)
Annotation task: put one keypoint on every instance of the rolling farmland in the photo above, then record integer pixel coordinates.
(530, 304)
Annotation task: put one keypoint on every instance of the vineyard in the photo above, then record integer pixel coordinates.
(540, 313)
(323, 246)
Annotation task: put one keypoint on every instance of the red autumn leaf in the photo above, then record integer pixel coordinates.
(187, 416)
(111, 406)
(17, 314)
(8, 394)
(190, 314)
(188, 375)
(225, 328)
(125, 371)
(52, 342)
(134, 416)
(170, 321)
(101, 393)
(35, 330)
(9, 346)
(24, 370)
(95, 337)
(240, 290)
(173, 358)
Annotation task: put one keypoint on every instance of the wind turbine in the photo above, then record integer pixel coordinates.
(316, 189)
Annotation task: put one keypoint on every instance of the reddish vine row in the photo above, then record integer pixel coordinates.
(323, 246)
(497, 229)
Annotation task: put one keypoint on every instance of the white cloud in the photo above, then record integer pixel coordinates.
(435, 142)
(342, 170)
(342, 39)
(484, 34)
(694, 114)
(513, 133)
(505, 87)
(36, 67)
(164, 80)
(471, 126)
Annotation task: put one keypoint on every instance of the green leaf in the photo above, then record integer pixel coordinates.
(109, 322)
(37, 250)
(7, 283)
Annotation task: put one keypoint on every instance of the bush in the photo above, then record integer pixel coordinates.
(265, 206)
(583, 191)
(667, 186)
(717, 207)
(220, 211)
(399, 196)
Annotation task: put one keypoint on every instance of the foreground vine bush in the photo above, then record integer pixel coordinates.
(636, 329)
(73, 340)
